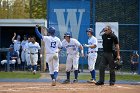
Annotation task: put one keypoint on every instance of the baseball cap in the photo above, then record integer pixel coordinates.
(11, 46)
(89, 30)
(18, 36)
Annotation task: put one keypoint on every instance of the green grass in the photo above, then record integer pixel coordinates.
(118, 77)
(29, 75)
(19, 75)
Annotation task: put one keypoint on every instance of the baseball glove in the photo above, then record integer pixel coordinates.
(55, 57)
(118, 64)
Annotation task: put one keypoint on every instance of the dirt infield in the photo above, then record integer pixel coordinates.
(39, 87)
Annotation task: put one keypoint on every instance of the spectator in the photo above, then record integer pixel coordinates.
(134, 62)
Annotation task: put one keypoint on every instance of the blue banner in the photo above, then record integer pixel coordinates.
(70, 15)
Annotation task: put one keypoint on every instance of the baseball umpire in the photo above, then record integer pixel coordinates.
(109, 41)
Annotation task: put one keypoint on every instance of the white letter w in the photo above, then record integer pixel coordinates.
(70, 21)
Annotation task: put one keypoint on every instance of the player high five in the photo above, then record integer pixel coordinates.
(52, 45)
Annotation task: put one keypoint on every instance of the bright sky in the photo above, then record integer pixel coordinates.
(10, 2)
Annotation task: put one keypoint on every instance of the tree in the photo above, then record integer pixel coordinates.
(37, 8)
(18, 9)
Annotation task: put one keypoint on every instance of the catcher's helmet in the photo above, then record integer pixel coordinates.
(89, 30)
(51, 30)
(68, 34)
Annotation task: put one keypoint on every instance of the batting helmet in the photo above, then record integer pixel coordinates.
(68, 34)
(89, 30)
(51, 30)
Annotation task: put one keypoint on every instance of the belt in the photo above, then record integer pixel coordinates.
(33, 53)
(51, 53)
(92, 52)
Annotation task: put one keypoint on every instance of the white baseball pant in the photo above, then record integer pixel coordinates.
(72, 60)
(27, 57)
(23, 56)
(91, 61)
(53, 62)
(34, 59)
(10, 61)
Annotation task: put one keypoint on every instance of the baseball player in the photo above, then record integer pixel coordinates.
(17, 46)
(34, 48)
(23, 56)
(52, 45)
(13, 57)
(71, 45)
(92, 53)
(27, 54)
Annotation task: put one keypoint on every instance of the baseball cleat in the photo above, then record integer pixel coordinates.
(91, 81)
(111, 83)
(75, 80)
(53, 82)
(66, 81)
(34, 72)
(99, 83)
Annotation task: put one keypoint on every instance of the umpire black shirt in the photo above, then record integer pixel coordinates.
(108, 42)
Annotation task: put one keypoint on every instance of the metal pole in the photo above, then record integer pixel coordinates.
(43, 61)
(139, 39)
(8, 61)
(0, 46)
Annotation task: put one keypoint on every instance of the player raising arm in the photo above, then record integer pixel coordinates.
(52, 45)
(17, 46)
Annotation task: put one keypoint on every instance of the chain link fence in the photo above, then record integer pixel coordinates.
(126, 13)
